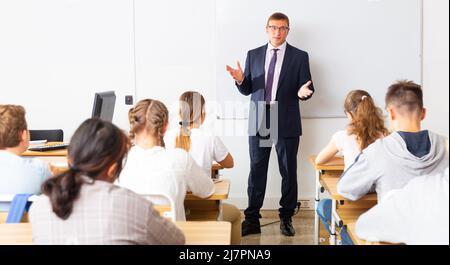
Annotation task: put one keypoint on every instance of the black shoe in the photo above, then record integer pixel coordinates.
(250, 228)
(286, 227)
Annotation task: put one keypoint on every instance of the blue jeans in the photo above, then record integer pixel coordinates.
(324, 212)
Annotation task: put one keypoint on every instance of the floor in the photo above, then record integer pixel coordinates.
(270, 234)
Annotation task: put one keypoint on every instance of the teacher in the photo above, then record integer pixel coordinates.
(276, 75)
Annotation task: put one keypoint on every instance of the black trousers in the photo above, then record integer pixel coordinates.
(287, 149)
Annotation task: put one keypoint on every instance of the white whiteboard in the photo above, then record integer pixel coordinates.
(352, 44)
(55, 54)
(175, 50)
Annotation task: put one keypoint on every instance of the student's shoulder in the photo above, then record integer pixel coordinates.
(35, 166)
(176, 157)
(123, 195)
(340, 134)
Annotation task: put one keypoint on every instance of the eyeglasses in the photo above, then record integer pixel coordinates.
(275, 28)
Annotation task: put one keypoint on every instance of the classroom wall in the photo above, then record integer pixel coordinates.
(436, 64)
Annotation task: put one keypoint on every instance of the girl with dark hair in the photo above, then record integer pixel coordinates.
(83, 206)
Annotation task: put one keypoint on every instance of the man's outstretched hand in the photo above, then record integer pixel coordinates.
(237, 74)
(304, 91)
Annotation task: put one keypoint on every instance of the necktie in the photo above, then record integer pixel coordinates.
(271, 72)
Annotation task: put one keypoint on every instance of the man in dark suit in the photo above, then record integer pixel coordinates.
(276, 75)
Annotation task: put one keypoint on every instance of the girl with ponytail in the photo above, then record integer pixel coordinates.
(82, 206)
(153, 169)
(366, 125)
(205, 148)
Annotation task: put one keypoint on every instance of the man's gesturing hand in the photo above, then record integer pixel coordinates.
(304, 91)
(237, 74)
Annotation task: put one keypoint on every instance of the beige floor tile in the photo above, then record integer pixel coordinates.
(270, 232)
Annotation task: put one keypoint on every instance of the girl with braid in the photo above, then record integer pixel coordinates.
(153, 169)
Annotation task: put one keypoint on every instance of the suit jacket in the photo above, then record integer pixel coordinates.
(294, 73)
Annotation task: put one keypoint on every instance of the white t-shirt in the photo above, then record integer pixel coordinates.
(348, 146)
(205, 147)
(417, 214)
(165, 171)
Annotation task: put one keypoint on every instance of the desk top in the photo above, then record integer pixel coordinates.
(196, 233)
(330, 184)
(206, 233)
(358, 241)
(16, 234)
(221, 193)
(337, 163)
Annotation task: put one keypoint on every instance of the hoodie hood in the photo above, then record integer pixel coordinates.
(397, 151)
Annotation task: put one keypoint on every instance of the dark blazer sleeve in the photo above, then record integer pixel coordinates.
(305, 75)
(246, 87)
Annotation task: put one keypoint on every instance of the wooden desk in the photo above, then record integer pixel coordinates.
(330, 184)
(206, 233)
(196, 233)
(222, 189)
(198, 209)
(333, 168)
(327, 177)
(358, 241)
(16, 234)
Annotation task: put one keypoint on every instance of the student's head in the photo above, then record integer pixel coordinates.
(366, 119)
(277, 28)
(13, 128)
(96, 152)
(404, 103)
(192, 114)
(149, 120)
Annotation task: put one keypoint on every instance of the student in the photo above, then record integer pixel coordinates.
(152, 169)
(18, 175)
(391, 162)
(366, 125)
(204, 148)
(417, 214)
(83, 206)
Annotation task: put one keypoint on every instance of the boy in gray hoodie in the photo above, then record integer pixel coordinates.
(407, 153)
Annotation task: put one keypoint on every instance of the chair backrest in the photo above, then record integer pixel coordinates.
(8, 198)
(56, 135)
(163, 204)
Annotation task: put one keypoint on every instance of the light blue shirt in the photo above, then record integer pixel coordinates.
(21, 175)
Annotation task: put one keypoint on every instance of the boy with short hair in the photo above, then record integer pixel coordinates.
(17, 174)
